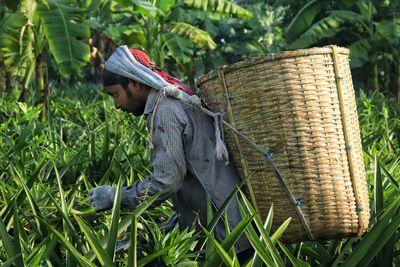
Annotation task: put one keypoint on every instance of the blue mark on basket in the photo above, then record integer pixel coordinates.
(299, 202)
(227, 94)
(268, 154)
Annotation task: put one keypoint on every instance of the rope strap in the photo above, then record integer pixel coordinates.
(296, 202)
(268, 158)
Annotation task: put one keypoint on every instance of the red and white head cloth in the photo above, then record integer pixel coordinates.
(136, 65)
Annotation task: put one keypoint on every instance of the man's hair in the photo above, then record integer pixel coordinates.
(110, 78)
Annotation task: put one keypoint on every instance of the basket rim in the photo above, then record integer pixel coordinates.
(272, 57)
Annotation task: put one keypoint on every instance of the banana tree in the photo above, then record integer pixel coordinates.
(34, 32)
(164, 29)
(179, 32)
(11, 25)
(238, 39)
(370, 30)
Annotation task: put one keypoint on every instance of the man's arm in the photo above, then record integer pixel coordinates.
(167, 159)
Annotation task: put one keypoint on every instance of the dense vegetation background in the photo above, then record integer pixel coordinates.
(60, 136)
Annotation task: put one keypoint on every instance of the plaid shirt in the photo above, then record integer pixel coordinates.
(185, 166)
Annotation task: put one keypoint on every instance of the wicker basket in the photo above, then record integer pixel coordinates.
(299, 105)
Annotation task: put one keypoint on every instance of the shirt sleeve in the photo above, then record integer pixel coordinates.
(167, 157)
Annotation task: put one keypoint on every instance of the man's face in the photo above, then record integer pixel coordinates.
(133, 100)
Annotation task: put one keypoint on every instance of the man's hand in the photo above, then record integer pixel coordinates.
(102, 197)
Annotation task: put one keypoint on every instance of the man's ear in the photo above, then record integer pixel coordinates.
(143, 87)
(136, 84)
(132, 83)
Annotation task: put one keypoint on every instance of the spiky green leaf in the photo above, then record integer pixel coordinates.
(101, 254)
(220, 250)
(6, 241)
(265, 236)
(115, 218)
(132, 253)
(296, 262)
(386, 235)
(17, 235)
(70, 247)
(228, 243)
(378, 189)
(381, 229)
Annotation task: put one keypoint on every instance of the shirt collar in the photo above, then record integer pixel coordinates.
(151, 99)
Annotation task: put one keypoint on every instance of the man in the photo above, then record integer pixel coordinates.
(187, 154)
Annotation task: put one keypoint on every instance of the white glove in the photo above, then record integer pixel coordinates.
(102, 197)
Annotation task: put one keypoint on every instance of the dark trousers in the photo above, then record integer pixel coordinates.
(244, 256)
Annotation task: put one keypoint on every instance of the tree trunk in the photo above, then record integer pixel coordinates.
(26, 81)
(189, 72)
(2, 79)
(8, 82)
(42, 84)
(376, 78)
(398, 80)
(46, 89)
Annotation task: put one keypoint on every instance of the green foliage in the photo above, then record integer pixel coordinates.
(326, 27)
(303, 18)
(219, 6)
(239, 39)
(199, 37)
(370, 29)
(64, 34)
(387, 225)
(180, 48)
(101, 254)
(47, 169)
(33, 33)
(171, 32)
(10, 27)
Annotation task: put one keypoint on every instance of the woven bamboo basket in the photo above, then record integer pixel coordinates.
(299, 106)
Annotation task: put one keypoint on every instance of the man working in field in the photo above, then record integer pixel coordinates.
(187, 154)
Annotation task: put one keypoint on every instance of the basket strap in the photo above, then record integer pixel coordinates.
(268, 158)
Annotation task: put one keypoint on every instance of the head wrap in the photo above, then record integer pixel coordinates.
(136, 65)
